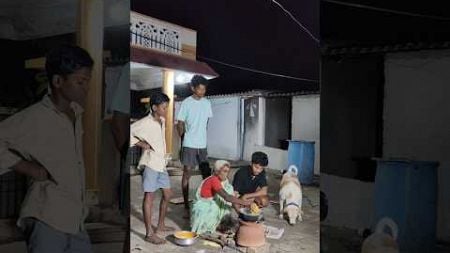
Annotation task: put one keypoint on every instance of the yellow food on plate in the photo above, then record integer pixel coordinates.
(254, 209)
(184, 235)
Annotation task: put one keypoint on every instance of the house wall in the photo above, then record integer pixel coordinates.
(350, 202)
(306, 123)
(350, 113)
(255, 133)
(224, 128)
(254, 125)
(350, 123)
(224, 131)
(278, 123)
(416, 120)
(417, 117)
(278, 158)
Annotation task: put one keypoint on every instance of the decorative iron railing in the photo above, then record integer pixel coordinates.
(148, 35)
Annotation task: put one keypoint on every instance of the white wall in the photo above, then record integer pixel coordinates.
(417, 116)
(262, 122)
(224, 128)
(224, 131)
(347, 207)
(306, 123)
(278, 158)
(254, 117)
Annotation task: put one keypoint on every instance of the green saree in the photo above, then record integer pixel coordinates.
(207, 213)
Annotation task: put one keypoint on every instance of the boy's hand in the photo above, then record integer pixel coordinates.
(144, 145)
(32, 169)
(247, 203)
(147, 146)
(39, 173)
(245, 197)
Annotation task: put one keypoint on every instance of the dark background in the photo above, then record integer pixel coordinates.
(253, 33)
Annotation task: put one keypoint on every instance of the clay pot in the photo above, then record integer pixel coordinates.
(250, 234)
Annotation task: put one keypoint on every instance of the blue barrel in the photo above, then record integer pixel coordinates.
(406, 191)
(301, 154)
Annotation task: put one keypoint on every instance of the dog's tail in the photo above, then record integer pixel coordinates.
(293, 170)
(387, 222)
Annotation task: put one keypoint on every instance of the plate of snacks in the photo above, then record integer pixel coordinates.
(252, 213)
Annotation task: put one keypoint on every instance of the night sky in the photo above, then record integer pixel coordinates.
(342, 25)
(258, 34)
(252, 33)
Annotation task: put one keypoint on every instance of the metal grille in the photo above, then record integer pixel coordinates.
(157, 41)
(13, 188)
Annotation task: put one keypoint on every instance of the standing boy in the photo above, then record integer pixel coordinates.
(193, 117)
(44, 142)
(149, 134)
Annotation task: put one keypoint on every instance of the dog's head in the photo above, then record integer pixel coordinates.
(292, 171)
(379, 240)
(292, 212)
(289, 177)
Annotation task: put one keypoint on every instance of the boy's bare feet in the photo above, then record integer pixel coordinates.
(154, 239)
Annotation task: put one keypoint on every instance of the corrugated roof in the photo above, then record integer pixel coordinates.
(263, 93)
(251, 93)
(410, 46)
(293, 94)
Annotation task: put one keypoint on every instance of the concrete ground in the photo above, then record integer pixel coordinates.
(303, 237)
(19, 247)
(344, 240)
(107, 233)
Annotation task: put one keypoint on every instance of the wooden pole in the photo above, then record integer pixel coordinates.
(90, 37)
(168, 89)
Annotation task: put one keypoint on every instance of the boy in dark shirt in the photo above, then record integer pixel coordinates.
(250, 182)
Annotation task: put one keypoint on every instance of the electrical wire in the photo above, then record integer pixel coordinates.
(368, 7)
(258, 71)
(296, 21)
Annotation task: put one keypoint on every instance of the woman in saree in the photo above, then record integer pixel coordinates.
(213, 200)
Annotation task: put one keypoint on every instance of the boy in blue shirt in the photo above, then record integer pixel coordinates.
(193, 117)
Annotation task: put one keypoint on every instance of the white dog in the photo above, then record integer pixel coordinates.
(380, 241)
(291, 196)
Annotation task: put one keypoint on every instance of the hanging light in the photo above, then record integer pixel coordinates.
(182, 77)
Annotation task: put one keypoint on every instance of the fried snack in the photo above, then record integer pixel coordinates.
(254, 209)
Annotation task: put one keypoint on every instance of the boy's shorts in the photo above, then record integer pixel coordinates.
(41, 237)
(153, 180)
(193, 156)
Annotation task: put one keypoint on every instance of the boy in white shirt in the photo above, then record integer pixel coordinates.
(149, 134)
(45, 142)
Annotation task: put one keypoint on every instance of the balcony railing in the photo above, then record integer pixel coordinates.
(163, 43)
(148, 34)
